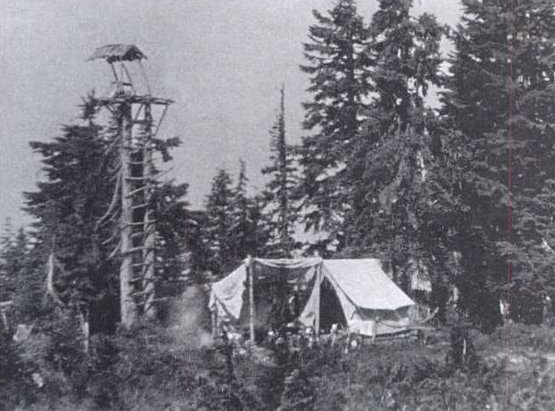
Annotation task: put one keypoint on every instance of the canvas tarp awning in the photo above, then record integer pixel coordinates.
(228, 293)
(371, 302)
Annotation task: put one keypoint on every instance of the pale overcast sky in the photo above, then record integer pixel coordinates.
(222, 61)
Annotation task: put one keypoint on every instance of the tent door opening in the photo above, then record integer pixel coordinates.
(331, 311)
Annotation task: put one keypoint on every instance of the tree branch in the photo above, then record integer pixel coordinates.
(112, 206)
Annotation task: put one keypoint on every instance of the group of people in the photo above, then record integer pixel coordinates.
(284, 333)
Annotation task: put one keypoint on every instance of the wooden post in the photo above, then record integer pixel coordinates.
(128, 306)
(215, 323)
(149, 229)
(85, 329)
(318, 286)
(250, 275)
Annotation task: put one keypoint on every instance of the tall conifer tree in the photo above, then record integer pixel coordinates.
(338, 66)
(280, 193)
(68, 203)
(391, 165)
(248, 230)
(501, 96)
(217, 231)
(21, 277)
(80, 175)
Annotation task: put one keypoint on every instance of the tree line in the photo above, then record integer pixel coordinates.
(465, 190)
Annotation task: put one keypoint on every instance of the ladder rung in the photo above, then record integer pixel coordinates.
(137, 249)
(162, 173)
(141, 265)
(138, 280)
(139, 293)
(136, 191)
(140, 223)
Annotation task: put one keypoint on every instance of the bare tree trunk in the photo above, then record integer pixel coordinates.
(50, 290)
(128, 306)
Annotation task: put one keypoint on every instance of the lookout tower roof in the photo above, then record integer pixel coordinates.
(117, 52)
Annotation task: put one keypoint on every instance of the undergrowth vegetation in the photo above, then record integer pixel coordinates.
(150, 368)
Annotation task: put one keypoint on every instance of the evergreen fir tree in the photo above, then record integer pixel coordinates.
(70, 205)
(173, 225)
(13, 250)
(67, 206)
(248, 228)
(392, 215)
(504, 61)
(280, 193)
(338, 66)
(217, 231)
(197, 251)
(22, 277)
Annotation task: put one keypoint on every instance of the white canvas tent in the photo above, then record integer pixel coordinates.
(355, 293)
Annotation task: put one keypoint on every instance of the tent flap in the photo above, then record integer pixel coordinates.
(228, 292)
(366, 284)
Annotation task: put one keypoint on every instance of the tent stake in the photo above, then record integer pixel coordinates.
(251, 297)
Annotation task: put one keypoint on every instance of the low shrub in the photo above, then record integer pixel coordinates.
(151, 368)
(539, 338)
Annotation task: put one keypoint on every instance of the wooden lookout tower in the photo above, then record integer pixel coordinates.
(134, 111)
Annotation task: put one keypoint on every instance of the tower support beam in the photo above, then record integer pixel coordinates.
(127, 302)
(149, 229)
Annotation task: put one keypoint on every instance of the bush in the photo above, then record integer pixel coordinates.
(298, 393)
(149, 368)
(15, 377)
(417, 377)
(535, 337)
